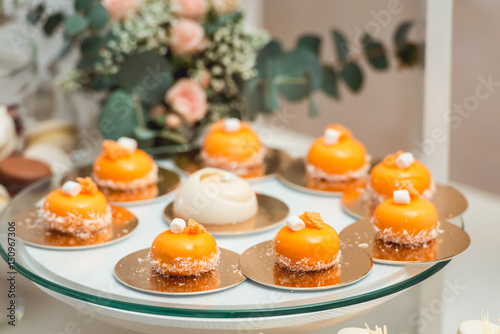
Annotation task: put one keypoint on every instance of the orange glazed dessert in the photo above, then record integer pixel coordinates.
(336, 160)
(306, 243)
(184, 250)
(121, 166)
(77, 208)
(406, 218)
(232, 145)
(388, 174)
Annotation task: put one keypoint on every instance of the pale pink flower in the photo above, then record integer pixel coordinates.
(190, 9)
(187, 37)
(121, 9)
(173, 121)
(188, 99)
(224, 7)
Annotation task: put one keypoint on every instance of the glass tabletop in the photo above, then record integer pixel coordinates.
(87, 275)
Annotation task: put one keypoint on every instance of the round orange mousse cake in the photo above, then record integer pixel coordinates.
(184, 250)
(77, 208)
(388, 174)
(232, 145)
(406, 218)
(121, 166)
(306, 243)
(336, 158)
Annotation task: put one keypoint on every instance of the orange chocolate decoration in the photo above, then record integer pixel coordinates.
(409, 224)
(347, 155)
(385, 176)
(119, 169)
(87, 212)
(190, 253)
(312, 248)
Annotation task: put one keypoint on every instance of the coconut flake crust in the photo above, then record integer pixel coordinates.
(137, 184)
(306, 264)
(318, 173)
(75, 224)
(406, 238)
(241, 168)
(185, 266)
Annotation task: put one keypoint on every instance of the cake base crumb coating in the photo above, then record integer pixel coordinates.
(185, 266)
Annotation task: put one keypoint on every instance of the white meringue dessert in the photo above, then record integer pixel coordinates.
(214, 196)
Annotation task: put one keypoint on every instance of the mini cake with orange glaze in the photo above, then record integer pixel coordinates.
(123, 167)
(336, 160)
(306, 243)
(233, 145)
(77, 208)
(406, 218)
(184, 250)
(388, 174)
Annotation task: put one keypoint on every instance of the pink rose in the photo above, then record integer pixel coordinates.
(187, 37)
(190, 9)
(188, 99)
(121, 9)
(224, 7)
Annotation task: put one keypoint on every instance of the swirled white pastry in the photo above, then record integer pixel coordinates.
(213, 196)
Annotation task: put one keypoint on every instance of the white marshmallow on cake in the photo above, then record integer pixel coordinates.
(177, 225)
(211, 198)
(295, 223)
(401, 197)
(232, 124)
(405, 160)
(128, 143)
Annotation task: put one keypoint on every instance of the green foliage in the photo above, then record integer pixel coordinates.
(340, 45)
(98, 16)
(310, 42)
(36, 14)
(83, 6)
(351, 73)
(91, 45)
(117, 117)
(329, 82)
(74, 24)
(401, 34)
(148, 75)
(375, 53)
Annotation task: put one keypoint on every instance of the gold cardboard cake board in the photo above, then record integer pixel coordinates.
(31, 228)
(190, 162)
(258, 264)
(168, 181)
(449, 202)
(294, 175)
(451, 242)
(135, 271)
(271, 211)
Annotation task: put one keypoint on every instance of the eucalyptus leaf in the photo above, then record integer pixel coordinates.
(91, 45)
(74, 24)
(270, 87)
(340, 45)
(401, 33)
(88, 62)
(117, 117)
(313, 109)
(52, 23)
(148, 74)
(83, 6)
(375, 53)
(298, 73)
(311, 42)
(270, 51)
(408, 54)
(353, 77)
(329, 83)
(98, 16)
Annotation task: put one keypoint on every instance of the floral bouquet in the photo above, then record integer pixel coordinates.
(168, 67)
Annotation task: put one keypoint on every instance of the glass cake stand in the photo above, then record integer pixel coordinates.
(84, 278)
